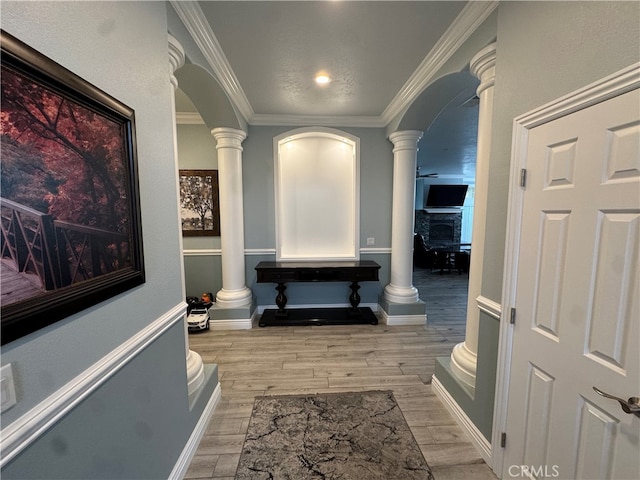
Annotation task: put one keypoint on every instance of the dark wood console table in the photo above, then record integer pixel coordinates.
(348, 271)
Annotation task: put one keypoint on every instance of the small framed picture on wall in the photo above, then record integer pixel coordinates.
(199, 203)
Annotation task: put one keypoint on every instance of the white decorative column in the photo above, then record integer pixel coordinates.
(405, 157)
(234, 292)
(400, 289)
(464, 355)
(195, 368)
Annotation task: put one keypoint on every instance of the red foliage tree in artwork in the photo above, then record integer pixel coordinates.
(70, 221)
(71, 158)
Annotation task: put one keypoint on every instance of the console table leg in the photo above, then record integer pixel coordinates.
(281, 300)
(354, 298)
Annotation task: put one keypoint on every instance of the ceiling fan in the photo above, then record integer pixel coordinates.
(426, 175)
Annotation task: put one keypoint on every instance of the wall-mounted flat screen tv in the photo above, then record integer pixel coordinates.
(446, 195)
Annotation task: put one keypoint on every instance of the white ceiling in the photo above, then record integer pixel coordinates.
(374, 52)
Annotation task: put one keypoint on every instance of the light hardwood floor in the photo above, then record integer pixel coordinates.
(295, 360)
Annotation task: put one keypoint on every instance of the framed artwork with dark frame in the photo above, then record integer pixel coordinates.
(70, 205)
(199, 203)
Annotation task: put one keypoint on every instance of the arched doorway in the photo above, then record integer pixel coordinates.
(447, 113)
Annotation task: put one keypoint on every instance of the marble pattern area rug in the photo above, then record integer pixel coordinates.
(346, 436)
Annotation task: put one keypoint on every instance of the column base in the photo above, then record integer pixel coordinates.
(464, 364)
(391, 313)
(233, 298)
(195, 371)
(396, 294)
(235, 318)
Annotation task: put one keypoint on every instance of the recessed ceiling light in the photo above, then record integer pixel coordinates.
(322, 79)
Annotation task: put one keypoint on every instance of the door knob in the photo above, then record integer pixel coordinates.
(631, 406)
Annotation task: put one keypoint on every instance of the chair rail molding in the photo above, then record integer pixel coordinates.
(216, 252)
(29, 427)
(489, 307)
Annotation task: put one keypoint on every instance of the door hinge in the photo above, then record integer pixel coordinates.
(523, 177)
(512, 316)
(503, 439)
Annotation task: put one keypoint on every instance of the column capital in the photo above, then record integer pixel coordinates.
(176, 58)
(228, 137)
(405, 140)
(482, 67)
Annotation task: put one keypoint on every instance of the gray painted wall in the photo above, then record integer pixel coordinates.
(376, 167)
(545, 50)
(196, 149)
(479, 405)
(137, 423)
(133, 426)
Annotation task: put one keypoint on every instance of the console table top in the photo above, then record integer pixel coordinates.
(318, 264)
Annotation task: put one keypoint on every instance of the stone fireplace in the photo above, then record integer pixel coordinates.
(439, 229)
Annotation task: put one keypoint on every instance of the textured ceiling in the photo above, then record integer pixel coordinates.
(371, 49)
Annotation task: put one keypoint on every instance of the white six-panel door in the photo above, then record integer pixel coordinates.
(577, 298)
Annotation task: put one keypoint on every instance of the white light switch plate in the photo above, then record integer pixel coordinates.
(7, 387)
(371, 241)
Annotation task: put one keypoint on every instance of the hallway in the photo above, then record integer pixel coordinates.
(298, 360)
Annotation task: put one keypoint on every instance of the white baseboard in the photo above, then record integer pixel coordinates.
(477, 438)
(231, 324)
(396, 320)
(181, 467)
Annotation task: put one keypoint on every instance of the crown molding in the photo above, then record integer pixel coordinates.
(196, 23)
(469, 19)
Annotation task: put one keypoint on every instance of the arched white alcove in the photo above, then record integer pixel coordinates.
(317, 189)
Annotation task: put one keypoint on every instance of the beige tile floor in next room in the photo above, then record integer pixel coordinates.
(296, 360)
